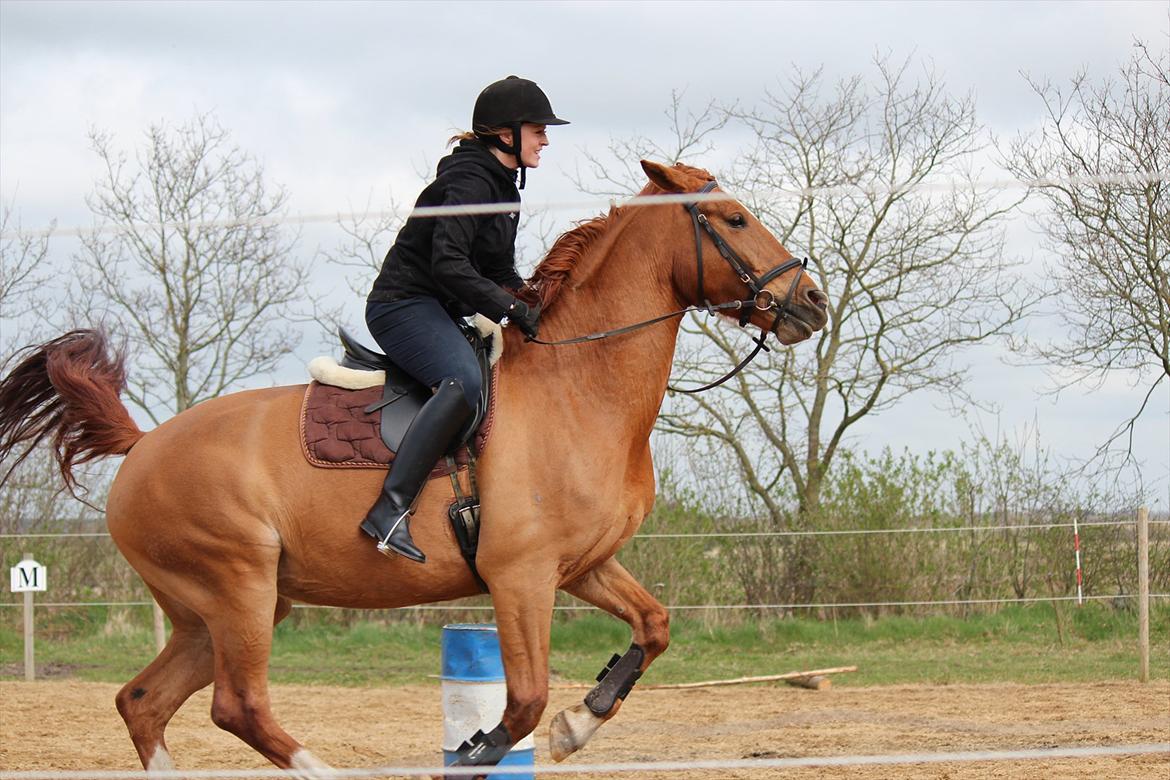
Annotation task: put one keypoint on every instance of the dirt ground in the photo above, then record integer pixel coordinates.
(73, 725)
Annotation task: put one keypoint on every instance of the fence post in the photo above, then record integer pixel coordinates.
(1143, 545)
(160, 628)
(30, 666)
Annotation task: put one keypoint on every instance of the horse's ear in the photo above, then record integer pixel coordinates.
(669, 179)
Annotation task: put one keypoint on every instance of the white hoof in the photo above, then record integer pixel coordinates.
(570, 730)
(160, 761)
(304, 764)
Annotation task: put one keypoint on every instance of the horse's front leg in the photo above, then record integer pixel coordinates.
(523, 601)
(612, 588)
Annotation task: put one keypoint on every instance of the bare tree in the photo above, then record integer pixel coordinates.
(32, 498)
(23, 275)
(367, 236)
(191, 265)
(1101, 163)
(915, 274)
(616, 173)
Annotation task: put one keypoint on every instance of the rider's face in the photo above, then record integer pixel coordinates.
(532, 139)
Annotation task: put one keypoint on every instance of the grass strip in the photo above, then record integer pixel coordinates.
(1038, 643)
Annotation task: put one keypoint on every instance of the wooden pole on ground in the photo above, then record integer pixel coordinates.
(765, 678)
(809, 676)
(1143, 545)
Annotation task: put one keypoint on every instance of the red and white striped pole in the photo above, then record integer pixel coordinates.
(1077, 550)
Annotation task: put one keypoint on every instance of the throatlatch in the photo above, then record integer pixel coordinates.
(615, 680)
(484, 749)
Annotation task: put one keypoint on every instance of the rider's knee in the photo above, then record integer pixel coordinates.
(471, 384)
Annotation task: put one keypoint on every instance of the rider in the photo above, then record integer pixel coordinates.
(444, 268)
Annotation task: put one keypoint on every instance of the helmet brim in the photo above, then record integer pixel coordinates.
(545, 120)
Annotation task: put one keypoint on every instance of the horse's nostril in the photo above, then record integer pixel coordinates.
(817, 298)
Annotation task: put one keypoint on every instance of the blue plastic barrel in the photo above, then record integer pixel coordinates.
(474, 693)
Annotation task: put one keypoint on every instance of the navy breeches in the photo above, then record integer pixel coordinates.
(420, 336)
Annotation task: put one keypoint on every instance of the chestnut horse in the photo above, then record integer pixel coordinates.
(228, 524)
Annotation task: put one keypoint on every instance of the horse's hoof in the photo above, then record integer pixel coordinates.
(570, 730)
(305, 766)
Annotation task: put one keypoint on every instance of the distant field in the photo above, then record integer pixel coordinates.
(1018, 645)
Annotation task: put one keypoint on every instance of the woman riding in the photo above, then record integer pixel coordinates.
(445, 268)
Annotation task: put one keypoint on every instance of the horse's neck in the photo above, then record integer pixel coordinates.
(622, 279)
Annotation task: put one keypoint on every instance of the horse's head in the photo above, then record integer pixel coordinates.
(726, 255)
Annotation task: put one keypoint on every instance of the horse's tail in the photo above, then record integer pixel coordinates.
(67, 389)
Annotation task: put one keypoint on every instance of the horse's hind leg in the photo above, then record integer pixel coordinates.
(612, 588)
(241, 632)
(147, 702)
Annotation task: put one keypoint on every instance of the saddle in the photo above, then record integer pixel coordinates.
(356, 412)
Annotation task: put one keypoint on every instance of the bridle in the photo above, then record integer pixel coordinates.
(761, 299)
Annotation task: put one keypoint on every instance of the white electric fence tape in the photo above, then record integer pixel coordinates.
(688, 766)
(951, 185)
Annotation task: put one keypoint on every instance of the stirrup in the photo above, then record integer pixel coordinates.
(384, 545)
(410, 552)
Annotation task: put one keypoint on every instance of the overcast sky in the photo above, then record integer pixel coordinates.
(348, 101)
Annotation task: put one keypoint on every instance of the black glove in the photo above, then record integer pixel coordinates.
(524, 317)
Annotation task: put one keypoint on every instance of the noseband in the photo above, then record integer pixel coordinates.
(761, 299)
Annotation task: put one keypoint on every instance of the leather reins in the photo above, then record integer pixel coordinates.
(761, 300)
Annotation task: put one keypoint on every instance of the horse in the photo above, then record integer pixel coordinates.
(228, 524)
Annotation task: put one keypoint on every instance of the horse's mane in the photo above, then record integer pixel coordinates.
(549, 277)
(547, 280)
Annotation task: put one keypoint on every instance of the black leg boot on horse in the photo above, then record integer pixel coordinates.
(426, 440)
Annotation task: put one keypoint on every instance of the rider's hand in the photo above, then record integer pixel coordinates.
(524, 317)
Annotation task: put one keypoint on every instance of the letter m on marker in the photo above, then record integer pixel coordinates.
(28, 576)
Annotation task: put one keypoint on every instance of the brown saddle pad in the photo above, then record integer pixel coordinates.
(337, 432)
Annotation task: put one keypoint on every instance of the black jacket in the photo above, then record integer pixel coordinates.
(460, 261)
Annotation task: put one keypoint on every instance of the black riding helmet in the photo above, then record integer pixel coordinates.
(510, 103)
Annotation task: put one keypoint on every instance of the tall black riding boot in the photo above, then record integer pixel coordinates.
(425, 441)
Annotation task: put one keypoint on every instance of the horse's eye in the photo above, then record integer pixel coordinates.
(737, 221)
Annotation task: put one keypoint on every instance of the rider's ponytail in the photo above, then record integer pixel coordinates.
(470, 136)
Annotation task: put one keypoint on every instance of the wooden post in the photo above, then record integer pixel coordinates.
(30, 668)
(160, 628)
(1143, 545)
(816, 682)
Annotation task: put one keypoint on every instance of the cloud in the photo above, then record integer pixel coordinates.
(341, 100)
